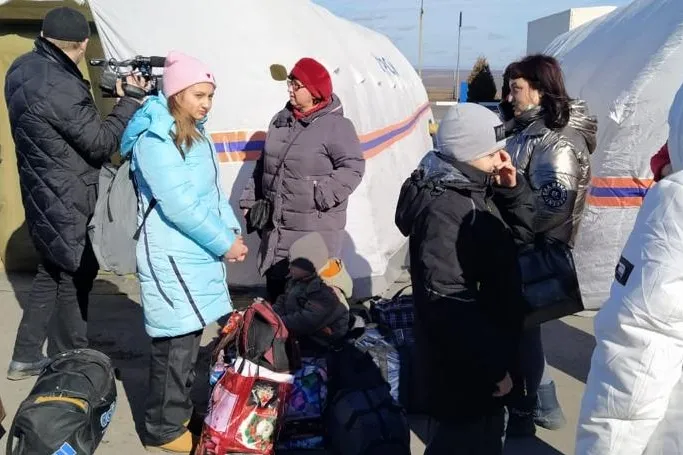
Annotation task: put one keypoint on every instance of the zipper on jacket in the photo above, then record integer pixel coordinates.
(317, 210)
(215, 168)
(151, 268)
(186, 290)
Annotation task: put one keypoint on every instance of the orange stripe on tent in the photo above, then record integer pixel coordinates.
(223, 140)
(379, 149)
(622, 202)
(377, 133)
(238, 157)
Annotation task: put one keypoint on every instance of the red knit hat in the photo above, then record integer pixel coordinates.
(314, 76)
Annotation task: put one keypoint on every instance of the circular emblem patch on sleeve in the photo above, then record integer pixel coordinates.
(554, 194)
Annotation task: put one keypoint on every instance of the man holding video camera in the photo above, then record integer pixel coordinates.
(61, 143)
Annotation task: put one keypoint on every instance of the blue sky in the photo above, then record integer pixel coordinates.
(493, 28)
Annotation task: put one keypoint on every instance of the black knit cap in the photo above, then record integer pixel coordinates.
(65, 24)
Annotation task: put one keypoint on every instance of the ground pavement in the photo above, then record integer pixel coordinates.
(116, 328)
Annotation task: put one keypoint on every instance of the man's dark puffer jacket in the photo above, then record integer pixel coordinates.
(61, 144)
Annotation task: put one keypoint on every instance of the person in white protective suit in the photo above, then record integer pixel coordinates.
(633, 403)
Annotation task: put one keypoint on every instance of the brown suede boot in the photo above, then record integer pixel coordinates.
(182, 444)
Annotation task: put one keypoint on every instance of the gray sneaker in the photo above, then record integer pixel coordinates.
(23, 370)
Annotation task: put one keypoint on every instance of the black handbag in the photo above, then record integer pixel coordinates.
(260, 215)
(550, 286)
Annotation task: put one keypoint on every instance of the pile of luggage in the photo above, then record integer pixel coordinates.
(268, 398)
(265, 397)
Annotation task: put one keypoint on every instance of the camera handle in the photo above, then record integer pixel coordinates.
(133, 91)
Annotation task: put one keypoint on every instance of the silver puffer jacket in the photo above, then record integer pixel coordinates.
(556, 164)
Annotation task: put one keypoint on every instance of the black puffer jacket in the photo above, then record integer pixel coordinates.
(466, 286)
(316, 310)
(61, 143)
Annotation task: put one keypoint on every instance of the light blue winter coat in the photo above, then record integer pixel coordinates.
(182, 277)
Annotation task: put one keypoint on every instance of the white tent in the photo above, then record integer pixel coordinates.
(628, 66)
(381, 92)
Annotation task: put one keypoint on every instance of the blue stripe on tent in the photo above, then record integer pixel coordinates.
(618, 192)
(258, 145)
(241, 146)
(371, 144)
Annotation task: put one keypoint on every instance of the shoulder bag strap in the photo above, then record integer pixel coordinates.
(284, 157)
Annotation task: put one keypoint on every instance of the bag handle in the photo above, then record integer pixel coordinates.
(401, 291)
(226, 340)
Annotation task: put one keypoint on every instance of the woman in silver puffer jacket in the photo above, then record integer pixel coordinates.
(550, 141)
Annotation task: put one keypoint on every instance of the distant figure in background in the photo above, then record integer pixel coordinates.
(311, 163)
(550, 140)
(61, 143)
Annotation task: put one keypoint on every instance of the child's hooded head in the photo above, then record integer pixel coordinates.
(472, 134)
(308, 256)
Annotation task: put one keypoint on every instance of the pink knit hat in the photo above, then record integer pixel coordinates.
(181, 71)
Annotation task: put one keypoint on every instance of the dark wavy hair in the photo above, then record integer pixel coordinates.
(543, 73)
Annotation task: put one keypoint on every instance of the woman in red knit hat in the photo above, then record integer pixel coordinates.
(311, 163)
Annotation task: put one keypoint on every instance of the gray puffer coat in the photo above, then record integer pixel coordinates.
(310, 192)
(556, 164)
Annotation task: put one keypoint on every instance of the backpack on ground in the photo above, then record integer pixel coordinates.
(69, 408)
(248, 403)
(113, 229)
(367, 422)
(363, 416)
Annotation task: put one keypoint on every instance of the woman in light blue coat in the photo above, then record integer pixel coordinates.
(188, 231)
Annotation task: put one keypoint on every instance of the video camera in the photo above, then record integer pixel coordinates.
(119, 70)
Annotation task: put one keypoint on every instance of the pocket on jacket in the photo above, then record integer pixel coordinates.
(85, 200)
(90, 177)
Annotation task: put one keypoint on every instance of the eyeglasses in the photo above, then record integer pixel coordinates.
(294, 85)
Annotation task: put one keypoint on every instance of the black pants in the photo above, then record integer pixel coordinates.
(276, 279)
(481, 436)
(171, 376)
(527, 373)
(57, 309)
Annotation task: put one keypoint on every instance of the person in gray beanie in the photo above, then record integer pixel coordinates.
(314, 305)
(466, 282)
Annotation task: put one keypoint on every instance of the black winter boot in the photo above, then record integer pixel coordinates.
(520, 424)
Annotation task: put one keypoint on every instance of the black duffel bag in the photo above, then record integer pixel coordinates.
(69, 408)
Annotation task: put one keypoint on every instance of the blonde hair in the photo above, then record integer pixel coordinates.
(186, 132)
(65, 45)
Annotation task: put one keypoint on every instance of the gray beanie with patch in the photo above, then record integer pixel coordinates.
(309, 253)
(469, 131)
